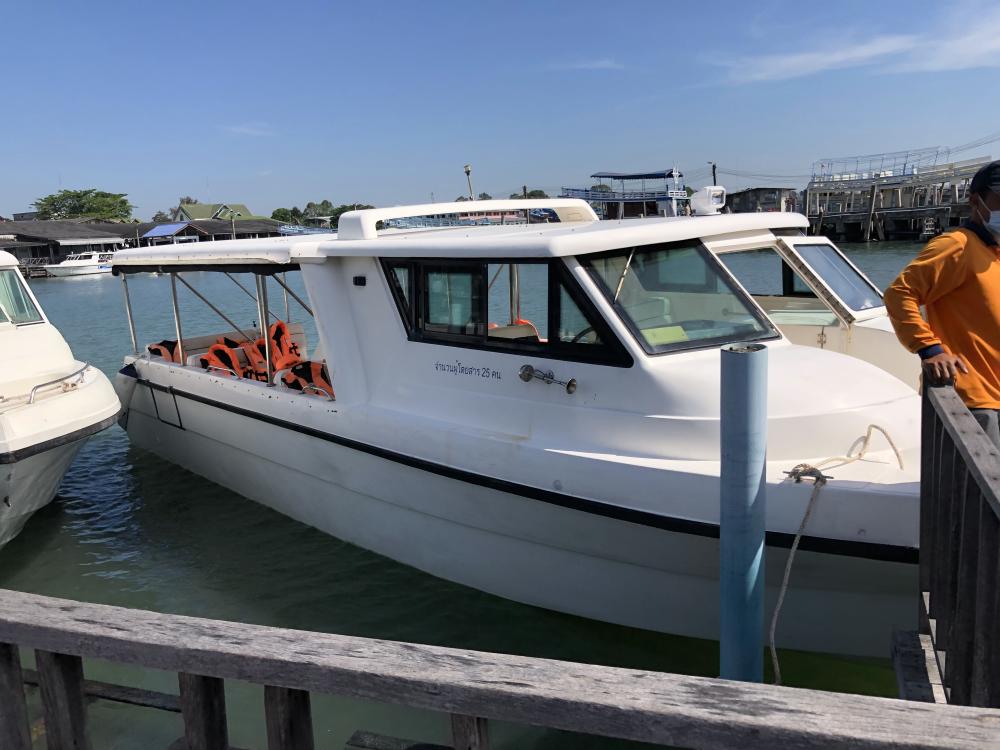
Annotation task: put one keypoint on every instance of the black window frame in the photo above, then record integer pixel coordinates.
(611, 352)
(681, 346)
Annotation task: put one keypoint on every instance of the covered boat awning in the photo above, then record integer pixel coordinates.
(663, 174)
(75, 241)
(264, 256)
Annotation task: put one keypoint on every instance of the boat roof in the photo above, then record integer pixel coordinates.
(579, 232)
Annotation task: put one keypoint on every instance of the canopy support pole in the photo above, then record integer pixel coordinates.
(177, 318)
(216, 310)
(247, 292)
(288, 290)
(128, 314)
(265, 326)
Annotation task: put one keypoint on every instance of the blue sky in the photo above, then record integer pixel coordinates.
(278, 104)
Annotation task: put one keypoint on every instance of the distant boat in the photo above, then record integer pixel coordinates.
(81, 264)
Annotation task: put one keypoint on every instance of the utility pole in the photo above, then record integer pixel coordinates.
(468, 177)
(714, 182)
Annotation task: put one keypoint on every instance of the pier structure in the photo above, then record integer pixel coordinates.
(630, 195)
(469, 689)
(903, 195)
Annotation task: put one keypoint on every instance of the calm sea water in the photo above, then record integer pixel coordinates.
(132, 530)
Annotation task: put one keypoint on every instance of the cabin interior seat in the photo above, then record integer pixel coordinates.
(652, 311)
(518, 331)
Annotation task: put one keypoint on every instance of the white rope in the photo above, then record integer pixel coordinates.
(798, 473)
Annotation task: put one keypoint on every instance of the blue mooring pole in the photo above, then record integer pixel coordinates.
(741, 515)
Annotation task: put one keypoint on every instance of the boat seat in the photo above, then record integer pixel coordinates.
(195, 346)
(520, 331)
(654, 310)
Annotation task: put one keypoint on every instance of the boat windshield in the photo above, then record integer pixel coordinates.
(845, 281)
(676, 297)
(15, 304)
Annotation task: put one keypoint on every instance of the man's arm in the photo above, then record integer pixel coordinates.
(939, 269)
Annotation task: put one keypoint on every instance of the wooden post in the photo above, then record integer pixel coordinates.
(60, 678)
(15, 733)
(289, 719)
(469, 733)
(203, 705)
(871, 213)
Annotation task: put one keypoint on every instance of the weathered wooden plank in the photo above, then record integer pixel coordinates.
(371, 741)
(289, 719)
(940, 552)
(963, 624)
(670, 709)
(978, 452)
(203, 705)
(985, 683)
(133, 696)
(60, 677)
(469, 732)
(15, 732)
(915, 664)
(929, 425)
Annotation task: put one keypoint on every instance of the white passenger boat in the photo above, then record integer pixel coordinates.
(81, 264)
(533, 411)
(50, 403)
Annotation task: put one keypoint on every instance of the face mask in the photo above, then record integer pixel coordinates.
(993, 223)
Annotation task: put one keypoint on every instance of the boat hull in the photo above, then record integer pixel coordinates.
(88, 270)
(521, 548)
(30, 484)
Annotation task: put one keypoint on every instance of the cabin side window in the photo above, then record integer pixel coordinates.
(777, 288)
(675, 296)
(531, 307)
(15, 305)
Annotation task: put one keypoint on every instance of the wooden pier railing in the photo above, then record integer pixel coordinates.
(959, 545)
(473, 687)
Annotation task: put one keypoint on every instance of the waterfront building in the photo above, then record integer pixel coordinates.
(52, 241)
(630, 195)
(196, 211)
(756, 199)
(899, 195)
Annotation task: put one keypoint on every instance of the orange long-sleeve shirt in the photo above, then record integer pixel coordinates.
(957, 280)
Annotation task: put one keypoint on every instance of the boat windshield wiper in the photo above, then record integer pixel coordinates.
(621, 279)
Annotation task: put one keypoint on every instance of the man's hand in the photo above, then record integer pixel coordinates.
(944, 367)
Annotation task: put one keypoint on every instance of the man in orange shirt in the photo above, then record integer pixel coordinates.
(957, 280)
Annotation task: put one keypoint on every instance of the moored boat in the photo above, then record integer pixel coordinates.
(533, 410)
(81, 264)
(50, 403)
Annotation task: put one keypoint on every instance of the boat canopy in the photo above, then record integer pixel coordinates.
(578, 232)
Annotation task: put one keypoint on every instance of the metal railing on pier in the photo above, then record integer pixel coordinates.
(471, 687)
(959, 546)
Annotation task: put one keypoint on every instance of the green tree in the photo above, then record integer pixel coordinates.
(460, 199)
(530, 194)
(73, 204)
(161, 217)
(187, 200)
(601, 188)
(485, 197)
(282, 214)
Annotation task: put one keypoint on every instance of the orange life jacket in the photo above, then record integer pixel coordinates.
(283, 349)
(166, 349)
(256, 368)
(308, 373)
(220, 356)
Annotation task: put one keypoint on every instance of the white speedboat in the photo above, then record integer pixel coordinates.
(81, 264)
(533, 411)
(50, 403)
